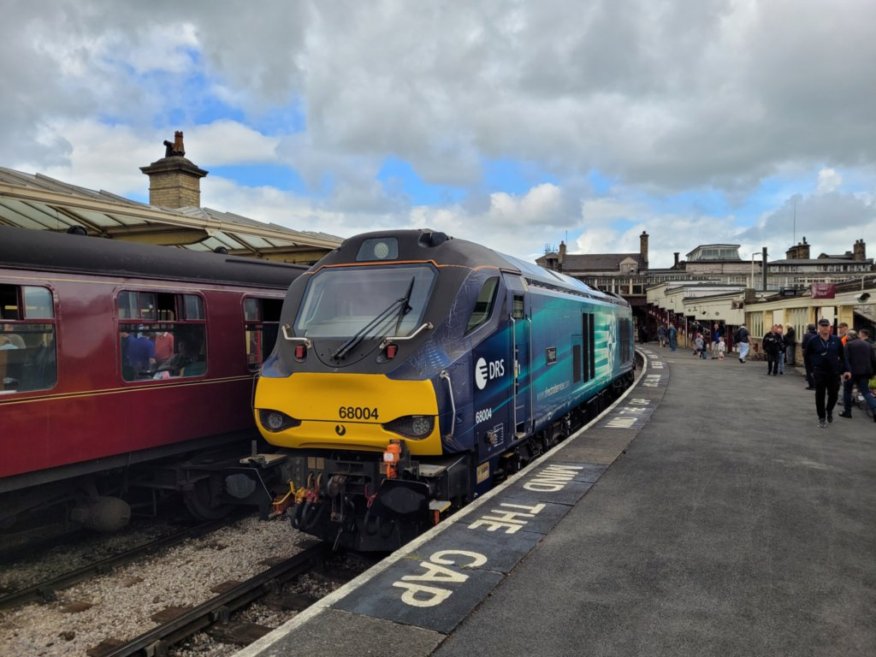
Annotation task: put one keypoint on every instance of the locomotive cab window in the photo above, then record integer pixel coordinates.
(27, 339)
(262, 319)
(161, 335)
(483, 308)
(373, 301)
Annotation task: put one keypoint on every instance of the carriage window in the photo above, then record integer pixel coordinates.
(27, 339)
(162, 336)
(262, 319)
(484, 305)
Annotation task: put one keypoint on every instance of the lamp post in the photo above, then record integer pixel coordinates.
(751, 280)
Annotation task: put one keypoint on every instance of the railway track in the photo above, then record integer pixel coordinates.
(217, 610)
(44, 591)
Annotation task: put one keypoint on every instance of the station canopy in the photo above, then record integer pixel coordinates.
(43, 203)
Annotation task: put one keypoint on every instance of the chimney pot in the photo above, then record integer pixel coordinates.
(174, 181)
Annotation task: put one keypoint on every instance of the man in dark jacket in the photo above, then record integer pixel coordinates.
(825, 353)
(860, 357)
(807, 337)
(790, 346)
(772, 343)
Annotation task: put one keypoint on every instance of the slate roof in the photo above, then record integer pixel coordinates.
(39, 202)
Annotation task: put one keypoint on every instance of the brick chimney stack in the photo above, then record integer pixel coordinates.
(174, 181)
(643, 249)
(860, 250)
(562, 255)
(799, 252)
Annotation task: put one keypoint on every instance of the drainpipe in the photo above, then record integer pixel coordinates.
(764, 268)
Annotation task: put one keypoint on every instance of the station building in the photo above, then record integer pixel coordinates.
(173, 217)
(714, 285)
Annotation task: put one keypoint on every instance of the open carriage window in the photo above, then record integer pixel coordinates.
(27, 339)
(162, 335)
(262, 320)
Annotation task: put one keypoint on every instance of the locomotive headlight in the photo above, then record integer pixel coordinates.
(276, 421)
(412, 426)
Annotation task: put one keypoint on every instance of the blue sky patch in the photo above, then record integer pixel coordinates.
(514, 177)
(600, 183)
(399, 177)
(263, 175)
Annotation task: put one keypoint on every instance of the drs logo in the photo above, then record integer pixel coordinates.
(485, 372)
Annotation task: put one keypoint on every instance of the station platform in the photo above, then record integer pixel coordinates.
(705, 513)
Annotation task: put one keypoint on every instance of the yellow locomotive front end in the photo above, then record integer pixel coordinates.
(348, 411)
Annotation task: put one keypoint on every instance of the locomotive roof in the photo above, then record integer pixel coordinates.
(40, 250)
(425, 244)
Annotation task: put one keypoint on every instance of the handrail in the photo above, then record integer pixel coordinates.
(292, 338)
(402, 338)
(514, 383)
(444, 375)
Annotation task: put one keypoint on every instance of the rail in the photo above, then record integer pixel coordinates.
(44, 591)
(159, 639)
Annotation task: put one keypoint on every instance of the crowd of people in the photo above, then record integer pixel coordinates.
(159, 354)
(847, 359)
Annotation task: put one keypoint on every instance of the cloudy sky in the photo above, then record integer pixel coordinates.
(516, 124)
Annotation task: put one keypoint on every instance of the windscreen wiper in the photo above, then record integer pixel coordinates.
(400, 305)
(406, 305)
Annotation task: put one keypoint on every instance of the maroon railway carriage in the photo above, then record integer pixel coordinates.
(114, 355)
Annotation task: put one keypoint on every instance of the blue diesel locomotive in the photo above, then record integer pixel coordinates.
(414, 371)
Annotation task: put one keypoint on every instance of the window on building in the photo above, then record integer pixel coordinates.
(161, 335)
(754, 324)
(262, 320)
(27, 339)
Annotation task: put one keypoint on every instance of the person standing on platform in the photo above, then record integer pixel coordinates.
(780, 356)
(790, 346)
(807, 337)
(842, 330)
(771, 345)
(661, 335)
(672, 334)
(825, 352)
(741, 338)
(861, 363)
(716, 337)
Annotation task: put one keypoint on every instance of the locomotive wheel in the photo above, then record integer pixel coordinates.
(202, 503)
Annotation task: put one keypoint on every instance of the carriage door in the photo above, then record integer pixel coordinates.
(521, 326)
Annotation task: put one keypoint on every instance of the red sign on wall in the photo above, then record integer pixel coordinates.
(823, 290)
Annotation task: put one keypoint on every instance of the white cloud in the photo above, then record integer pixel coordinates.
(657, 95)
(828, 181)
(542, 204)
(229, 142)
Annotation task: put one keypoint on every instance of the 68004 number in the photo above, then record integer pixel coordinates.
(358, 413)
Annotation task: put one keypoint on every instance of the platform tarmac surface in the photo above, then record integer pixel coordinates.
(707, 514)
